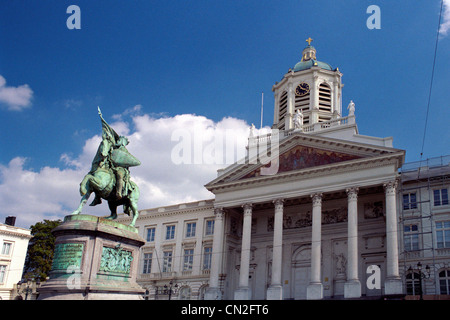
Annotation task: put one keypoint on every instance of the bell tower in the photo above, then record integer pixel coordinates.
(309, 93)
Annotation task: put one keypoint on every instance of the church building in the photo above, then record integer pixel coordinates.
(315, 220)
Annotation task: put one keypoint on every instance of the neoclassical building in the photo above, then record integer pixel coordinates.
(13, 250)
(309, 214)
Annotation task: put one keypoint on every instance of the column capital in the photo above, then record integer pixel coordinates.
(247, 208)
(278, 202)
(390, 186)
(219, 212)
(352, 193)
(316, 199)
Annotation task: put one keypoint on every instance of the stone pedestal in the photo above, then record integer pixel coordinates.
(242, 294)
(275, 292)
(314, 291)
(393, 286)
(352, 289)
(94, 259)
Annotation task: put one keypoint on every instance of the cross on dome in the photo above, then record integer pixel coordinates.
(309, 40)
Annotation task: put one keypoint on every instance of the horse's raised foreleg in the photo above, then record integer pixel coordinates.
(83, 201)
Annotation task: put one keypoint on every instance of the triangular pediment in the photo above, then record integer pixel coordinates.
(302, 153)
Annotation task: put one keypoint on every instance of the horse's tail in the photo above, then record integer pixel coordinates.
(83, 185)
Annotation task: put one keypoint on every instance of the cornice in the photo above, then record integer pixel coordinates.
(15, 234)
(313, 71)
(314, 172)
(171, 211)
(365, 151)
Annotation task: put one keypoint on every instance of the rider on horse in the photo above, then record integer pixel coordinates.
(110, 154)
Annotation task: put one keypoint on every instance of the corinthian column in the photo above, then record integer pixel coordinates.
(315, 287)
(352, 287)
(275, 291)
(393, 283)
(243, 292)
(213, 292)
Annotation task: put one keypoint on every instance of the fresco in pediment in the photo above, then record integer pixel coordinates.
(301, 157)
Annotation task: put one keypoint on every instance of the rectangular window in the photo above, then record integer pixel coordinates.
(409, 201)
(147, 266)
(443, 234)
(188, 259)
(2, 273)
(440, 197)
(6, 248)
(209, 228)
(411, 237)
(190, 229)
(444, 281)
(170, 232)
(151, 234)
(167, 261)
(207, 254)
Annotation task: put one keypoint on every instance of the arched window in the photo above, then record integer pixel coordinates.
(413, 284)
(444, 281)
(201, 292)
(283, 110)
(324, 97)
(185, 293)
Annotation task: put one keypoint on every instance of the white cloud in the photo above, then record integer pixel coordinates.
(52, 193)
(445, 25)
(133, 111)
(33, 196)
(15, 98)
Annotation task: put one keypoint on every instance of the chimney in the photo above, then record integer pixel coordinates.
(10, 221)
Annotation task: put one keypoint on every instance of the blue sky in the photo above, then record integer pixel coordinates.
(146, 60)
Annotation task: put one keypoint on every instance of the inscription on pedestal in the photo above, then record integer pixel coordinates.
(66, 255)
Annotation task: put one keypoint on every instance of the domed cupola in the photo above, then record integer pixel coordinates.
(309, 59)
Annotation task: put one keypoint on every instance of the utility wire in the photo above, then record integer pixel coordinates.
(431, 82)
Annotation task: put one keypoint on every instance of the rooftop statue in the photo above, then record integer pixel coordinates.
(109, 177)
(298, 119)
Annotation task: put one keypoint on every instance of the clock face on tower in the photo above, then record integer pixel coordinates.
(302, 89)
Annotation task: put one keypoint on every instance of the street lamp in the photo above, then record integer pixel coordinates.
(29, 288)
(422, 275)
(168, 290)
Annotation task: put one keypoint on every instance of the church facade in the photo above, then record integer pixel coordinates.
(317, 219)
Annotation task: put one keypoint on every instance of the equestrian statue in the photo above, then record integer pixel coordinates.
(109, 177)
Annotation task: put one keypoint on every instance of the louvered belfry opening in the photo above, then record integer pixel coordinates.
(283, 110)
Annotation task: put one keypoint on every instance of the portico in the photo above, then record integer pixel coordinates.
(330, 193)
